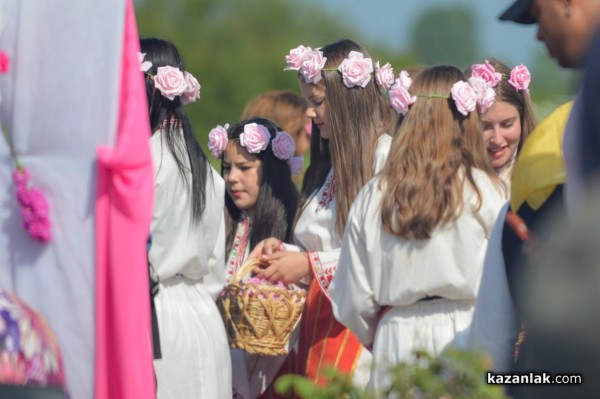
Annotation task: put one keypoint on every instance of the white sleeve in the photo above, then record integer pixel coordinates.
(495, 322)
(352, 291)
(215, 279)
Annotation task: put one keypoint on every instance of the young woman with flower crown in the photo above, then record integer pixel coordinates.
(506, 112)
(417, 233)
(349, 144)
(187, 231)
(260, 202)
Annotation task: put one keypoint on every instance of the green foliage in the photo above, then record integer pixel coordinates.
(446, 36)
(455, 374)
(339, 386)
(236, 48)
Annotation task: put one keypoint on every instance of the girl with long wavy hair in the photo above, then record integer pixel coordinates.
(349, 144)
(417, 234)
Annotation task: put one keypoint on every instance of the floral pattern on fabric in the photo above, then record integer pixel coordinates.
(29, 352)
(238, 249)
(328, 194)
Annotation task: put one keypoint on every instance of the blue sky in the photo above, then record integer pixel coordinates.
(390, 22)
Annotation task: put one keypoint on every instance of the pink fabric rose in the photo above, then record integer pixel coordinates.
(217, 140)
(520, 78)
(384, 76)
(296, 164)
(283, 145)
(34, 208)
(255, 138)
(399, 96)
(404, 80)
(356, 70)
(144, 65)
(295, 58)
(486, 72)
(4, 62)
(192, 90)
(485, 93)
(464, 97)
(170, 81)
(312, 65)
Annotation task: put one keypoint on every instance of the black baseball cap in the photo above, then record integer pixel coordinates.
(518, 12)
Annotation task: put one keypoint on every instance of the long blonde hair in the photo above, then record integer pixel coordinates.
(431, 157)
(358, 117)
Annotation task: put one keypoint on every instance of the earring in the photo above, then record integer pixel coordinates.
(568, 11)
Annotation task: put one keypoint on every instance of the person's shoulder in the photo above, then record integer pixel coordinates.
(492, 191)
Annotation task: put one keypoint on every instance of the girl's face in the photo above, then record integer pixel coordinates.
(501, 132)
(317, 109)
(241, 172)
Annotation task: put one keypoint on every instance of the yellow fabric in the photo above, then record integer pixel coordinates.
(540, 167)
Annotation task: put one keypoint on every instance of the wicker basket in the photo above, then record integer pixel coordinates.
(259, 318)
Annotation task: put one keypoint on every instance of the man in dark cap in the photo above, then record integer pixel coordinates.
(567, 28)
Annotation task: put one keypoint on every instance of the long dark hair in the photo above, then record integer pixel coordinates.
(358, 118)
(170, 117)
(277, 198)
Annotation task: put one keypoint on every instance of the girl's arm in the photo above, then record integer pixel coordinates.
(352, 290)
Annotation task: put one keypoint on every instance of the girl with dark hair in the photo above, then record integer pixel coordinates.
(261, 202)
(187, 248)
(349, 145)
(417, 234)
(507, 117)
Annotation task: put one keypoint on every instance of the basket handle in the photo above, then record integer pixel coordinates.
(246, 268)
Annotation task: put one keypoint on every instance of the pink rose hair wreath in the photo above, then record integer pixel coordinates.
(254, 139)
(172, 82)
(356, 70)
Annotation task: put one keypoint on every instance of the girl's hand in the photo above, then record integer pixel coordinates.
(267, 246)
(287, 267)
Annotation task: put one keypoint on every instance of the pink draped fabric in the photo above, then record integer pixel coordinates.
(123, 364)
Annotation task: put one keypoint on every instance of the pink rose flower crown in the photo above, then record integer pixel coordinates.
(476, 94)
(255, 139)
(356, 70)
(172, 82)
(484, 79)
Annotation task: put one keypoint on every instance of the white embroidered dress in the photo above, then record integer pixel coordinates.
(381, 270)
(189, 262)
(315, 232)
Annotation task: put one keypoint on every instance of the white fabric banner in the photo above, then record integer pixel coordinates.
(59, 103)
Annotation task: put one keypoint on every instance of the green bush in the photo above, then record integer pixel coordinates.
(456, 374)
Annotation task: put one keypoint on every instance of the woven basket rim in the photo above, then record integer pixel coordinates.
(274, 334)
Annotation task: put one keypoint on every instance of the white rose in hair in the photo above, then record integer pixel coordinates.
(296, 57)
(192, 90)
(464, 97)
(384, 75)
(170, 82)
(485, 93)
(356, 70)
(255, 138)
